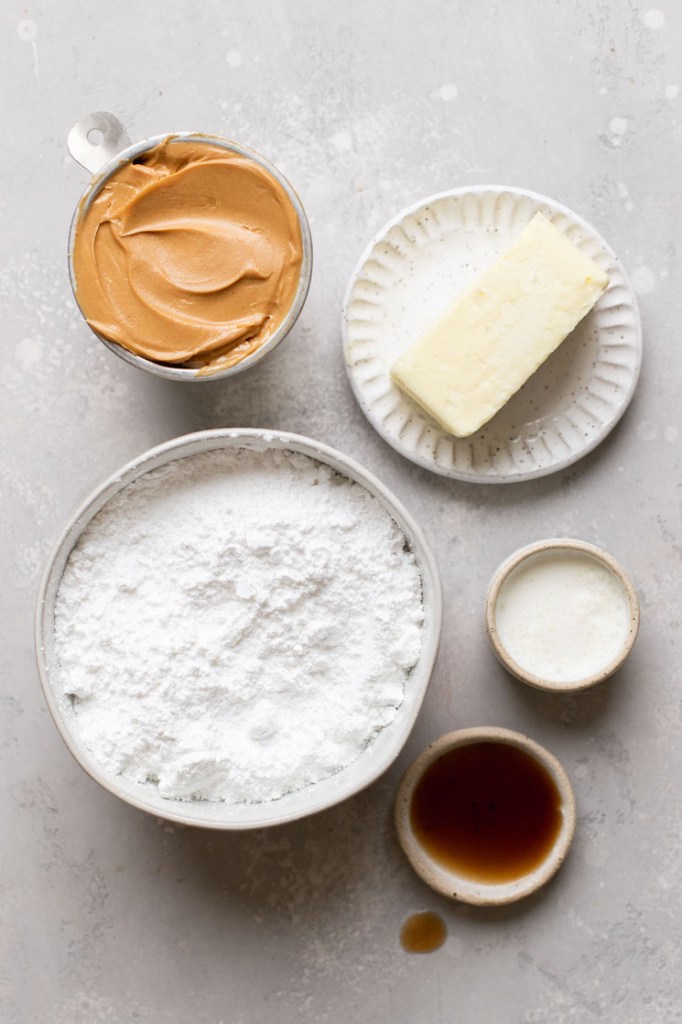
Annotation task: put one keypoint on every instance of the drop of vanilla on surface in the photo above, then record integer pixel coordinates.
(423, 932)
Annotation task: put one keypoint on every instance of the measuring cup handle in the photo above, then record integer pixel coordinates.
(111, 139)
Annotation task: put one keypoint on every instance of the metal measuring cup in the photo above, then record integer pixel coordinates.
(101, 144)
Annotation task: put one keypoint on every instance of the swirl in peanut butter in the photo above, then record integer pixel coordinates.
(191, 254)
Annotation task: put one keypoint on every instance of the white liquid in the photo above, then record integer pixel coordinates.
(563, 616)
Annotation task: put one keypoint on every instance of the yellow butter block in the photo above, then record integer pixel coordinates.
(493, 336)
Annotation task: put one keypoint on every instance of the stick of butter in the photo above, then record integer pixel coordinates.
(493, 336)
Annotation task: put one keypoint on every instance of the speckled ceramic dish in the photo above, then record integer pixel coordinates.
(376, 756)
(412, 270)
(444, 879)
(543, 549)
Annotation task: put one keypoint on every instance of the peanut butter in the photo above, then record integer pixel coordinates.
(191, 254)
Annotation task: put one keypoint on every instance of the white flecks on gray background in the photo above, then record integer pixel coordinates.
(618, 126)
(107, 915)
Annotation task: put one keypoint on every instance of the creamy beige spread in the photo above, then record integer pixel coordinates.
(191, 254)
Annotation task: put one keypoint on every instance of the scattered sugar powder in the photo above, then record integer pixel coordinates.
(237, 625)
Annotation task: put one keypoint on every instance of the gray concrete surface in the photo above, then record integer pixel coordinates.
(107, 915)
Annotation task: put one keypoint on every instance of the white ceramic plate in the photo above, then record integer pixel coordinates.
(410, 272)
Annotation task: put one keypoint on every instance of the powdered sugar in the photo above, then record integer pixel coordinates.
(237, 625)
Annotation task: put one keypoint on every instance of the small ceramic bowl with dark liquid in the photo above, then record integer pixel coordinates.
(485, 815)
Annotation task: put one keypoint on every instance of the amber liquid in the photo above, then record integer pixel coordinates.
(488, 811)
(423, 932)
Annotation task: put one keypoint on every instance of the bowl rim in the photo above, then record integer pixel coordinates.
(167, 370)
(446, 881)
(378, 756)
(558, 544)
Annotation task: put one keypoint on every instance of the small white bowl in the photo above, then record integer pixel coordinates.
(449, 882)
(545, 548)
(375, 758)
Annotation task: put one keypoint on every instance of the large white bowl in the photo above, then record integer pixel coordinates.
(374, 759)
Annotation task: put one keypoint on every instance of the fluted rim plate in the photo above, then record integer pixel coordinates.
(409, 273)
